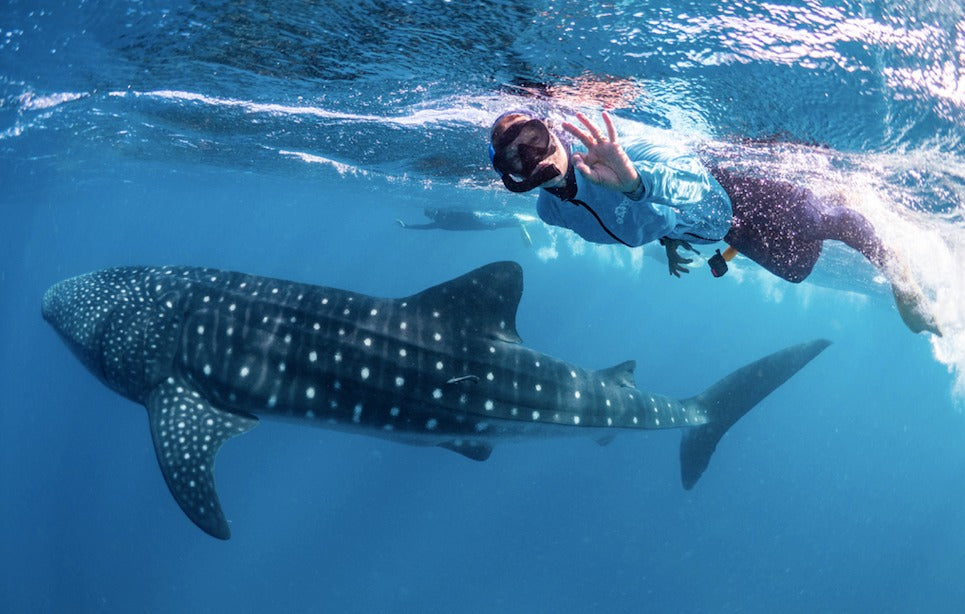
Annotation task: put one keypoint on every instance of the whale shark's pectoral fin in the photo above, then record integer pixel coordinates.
(187, 432)
(476, 450)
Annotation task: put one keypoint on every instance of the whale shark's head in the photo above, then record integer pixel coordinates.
(103, 317)
(79, 309)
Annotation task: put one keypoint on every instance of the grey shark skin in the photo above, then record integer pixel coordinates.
(208, 351)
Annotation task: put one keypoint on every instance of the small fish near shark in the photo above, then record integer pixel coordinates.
(208, 352)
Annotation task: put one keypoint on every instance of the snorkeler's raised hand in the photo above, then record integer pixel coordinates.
(604, 163)
(675, 262)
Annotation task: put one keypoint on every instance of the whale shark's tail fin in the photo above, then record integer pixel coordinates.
(729, 399)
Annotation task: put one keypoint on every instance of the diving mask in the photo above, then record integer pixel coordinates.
(533, 144)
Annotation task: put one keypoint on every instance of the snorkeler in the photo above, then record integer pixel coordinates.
(652, 191)
(466, 219)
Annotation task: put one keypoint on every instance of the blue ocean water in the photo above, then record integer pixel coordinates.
(285, 139)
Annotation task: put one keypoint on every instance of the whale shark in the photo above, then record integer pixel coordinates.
(208, 352)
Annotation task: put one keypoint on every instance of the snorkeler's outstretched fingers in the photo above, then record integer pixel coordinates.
(594, 130)
(584, 138)
(610, 128)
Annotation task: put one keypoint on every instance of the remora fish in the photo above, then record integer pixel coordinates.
(207, 351)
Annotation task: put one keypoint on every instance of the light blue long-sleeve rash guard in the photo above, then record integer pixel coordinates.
(681, 200)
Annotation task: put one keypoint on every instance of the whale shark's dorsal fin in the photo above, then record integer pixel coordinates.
(483, 300)
(187, 433)
(621, 374)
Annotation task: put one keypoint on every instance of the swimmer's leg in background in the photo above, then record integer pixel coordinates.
(527, 239)
(429, 226)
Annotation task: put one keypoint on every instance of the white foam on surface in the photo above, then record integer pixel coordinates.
(930, 251)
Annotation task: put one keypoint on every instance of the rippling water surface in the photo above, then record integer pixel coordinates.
(404, 91)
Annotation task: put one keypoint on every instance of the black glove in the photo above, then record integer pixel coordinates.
(675, 262)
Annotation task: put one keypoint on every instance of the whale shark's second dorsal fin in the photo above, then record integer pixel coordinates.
(621, 374)
(483, 300)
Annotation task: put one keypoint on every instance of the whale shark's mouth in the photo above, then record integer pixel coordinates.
(48, 306)
(80, 327)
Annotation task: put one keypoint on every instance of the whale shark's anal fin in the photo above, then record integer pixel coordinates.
(187, 433)
(476, 450)
(725, 402)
